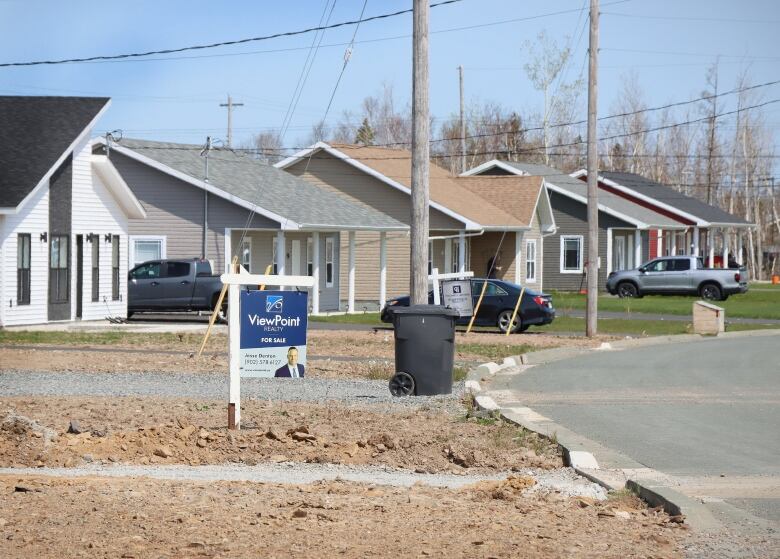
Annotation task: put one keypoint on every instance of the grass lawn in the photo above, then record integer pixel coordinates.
(565, 324)
(761, 301)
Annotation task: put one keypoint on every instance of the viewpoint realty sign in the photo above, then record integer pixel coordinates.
(273, 333)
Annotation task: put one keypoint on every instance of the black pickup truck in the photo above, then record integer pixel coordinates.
(172, 285)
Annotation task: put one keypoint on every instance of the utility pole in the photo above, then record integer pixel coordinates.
(420, 156)
(462, 124)
(230, 104)
(591, 315)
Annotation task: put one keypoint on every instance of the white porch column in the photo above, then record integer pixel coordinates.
(382, 269)
(696, 241)
(518, 255)
(659, 247)
(447, 256)
(637, 248)
(461, 252)
(673, 244)
(724, 234)
(739, 246)
(281, 254)
(315, 271)
(711, 246)
(351, 288)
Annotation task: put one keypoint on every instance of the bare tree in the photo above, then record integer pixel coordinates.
(266, 146)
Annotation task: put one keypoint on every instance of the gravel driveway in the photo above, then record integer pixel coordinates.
(212, 386)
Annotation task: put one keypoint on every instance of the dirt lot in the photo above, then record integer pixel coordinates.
(33, 432)
(175, 353)
(47, 517)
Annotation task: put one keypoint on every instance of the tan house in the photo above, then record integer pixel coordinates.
(471, 218)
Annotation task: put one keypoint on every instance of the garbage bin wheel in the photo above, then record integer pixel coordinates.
(402, 384)
(503, 322)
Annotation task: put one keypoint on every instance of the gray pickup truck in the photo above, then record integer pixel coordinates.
(678, 275)
(172, 285)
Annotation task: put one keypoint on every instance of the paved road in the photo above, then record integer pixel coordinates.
(707, 412)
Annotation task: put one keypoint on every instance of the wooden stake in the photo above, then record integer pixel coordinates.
(217, 307)
(514, 313)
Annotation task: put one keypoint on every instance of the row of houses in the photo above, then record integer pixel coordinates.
(76, 213)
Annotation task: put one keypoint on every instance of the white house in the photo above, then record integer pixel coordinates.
(63, 214)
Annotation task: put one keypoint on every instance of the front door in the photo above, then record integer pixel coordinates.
(79, 274)
(620, 254)
(295, 258)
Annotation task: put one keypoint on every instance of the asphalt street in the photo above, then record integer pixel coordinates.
(707, 411)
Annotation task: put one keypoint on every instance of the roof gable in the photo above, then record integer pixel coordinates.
(37, 133)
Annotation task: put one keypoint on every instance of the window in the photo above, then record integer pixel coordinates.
(530, 261)
(329, 261)
(145, 248)
(681, 265)
(150, 270)
(430, 257)
(95, 267)
(23, 269)
(659, 266)
(491, 290)
(114, 267)
(58, 269)
(246, 254)
(273, 257)
(455, 251)
(309, 257)
(177, 269)
(571, 254)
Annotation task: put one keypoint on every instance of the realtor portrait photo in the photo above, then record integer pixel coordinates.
(291, 368)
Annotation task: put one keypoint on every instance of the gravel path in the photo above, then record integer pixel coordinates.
(206, 386)
(564, 481)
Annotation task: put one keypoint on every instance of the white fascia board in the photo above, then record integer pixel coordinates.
(331, 227)
(698, 221)
(635, 222)
(470, 225)
(45, 180)
(118, 187)
(507, 228)
(493, 163)
(287, 224)
(733, 225)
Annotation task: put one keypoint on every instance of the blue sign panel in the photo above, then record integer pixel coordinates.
(273, 333)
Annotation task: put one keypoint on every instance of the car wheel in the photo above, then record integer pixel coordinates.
(627, 289)
(503, 322)
(524, 327)
(402, 384)
(711, 292)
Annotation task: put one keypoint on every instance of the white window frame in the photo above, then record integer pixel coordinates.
(430, 257)
(309, 257)
(330, 240)
(133, 238)
(580, 240)
(530, 278)
(454, 256)
(274, 265)
(246, 241)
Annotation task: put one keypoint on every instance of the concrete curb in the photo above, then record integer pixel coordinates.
(580, 452)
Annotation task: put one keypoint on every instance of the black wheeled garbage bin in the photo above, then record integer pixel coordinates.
(424, 350)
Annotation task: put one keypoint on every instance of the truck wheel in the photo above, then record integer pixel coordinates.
(503, 322)
(711, 292)
(627, 289)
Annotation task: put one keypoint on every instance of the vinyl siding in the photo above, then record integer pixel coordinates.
(96, 211)
(174, 209)
(571, 219)
(33, 219)
(483, 247)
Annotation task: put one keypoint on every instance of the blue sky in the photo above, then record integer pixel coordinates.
(666, 43)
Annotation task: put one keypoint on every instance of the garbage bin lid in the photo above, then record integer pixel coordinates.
(426, 310)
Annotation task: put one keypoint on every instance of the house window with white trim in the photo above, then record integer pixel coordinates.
(430, 257)
(309, 257)
(571, 254)
(530, 261)
(23, 252)
(95, 267)
(274, 266)
(114, 267)
(329, 248)
(454, 256)
(145, 248)
(246, 254)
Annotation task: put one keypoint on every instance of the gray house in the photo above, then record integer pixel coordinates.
(219, 204)
(627, 230)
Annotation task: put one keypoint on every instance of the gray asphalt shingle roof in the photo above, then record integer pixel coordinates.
(265, 186)
(671, 197)
(606, 199)
(36, 131)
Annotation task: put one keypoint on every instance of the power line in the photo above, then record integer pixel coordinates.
(220, 44)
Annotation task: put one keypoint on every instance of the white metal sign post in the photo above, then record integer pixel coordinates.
(435, 277)
(234, 283)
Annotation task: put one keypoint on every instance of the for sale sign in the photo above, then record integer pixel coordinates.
(273, 334)
(456, 294)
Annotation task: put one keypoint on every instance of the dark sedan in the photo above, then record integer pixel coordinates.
(497, 306)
